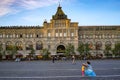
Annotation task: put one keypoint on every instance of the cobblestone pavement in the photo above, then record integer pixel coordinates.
(60, 70)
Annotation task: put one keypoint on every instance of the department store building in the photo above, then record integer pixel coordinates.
(56, 34)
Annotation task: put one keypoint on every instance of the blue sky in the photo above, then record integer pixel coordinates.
(34, 12)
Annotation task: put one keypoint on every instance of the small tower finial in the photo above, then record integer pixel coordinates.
(45, 21)
(59, 2)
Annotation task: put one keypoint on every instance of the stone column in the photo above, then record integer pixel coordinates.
(24, 48)
(4, 49)
(113, 45)
(103, 45)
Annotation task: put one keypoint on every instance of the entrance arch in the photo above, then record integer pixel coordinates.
(60, 49)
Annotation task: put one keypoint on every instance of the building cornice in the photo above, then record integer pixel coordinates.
(21, 27)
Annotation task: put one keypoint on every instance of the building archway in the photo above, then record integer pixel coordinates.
(90, 44)
(19, 45)
(60, 50)
(39, 45)
(9, 45)
(29, 45)
(98, 45)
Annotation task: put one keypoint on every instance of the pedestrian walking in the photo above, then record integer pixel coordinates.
(17, 59)
(73, 59)
(89, 70)
(53, 59)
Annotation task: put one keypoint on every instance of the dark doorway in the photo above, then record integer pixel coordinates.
(60, 49)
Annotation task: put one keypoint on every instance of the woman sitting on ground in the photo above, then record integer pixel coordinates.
(88, 69)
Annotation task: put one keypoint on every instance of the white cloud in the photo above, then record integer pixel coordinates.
(5, 7)
(6, 2)
(30, 18)
(10, 6)
(4, 11)
(33, 4)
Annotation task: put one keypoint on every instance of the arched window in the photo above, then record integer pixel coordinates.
(49, 33)
(60, 32)
(9, 45)
(39, 45)
(29, 45)
(108, 45)
(1, 46)
(98, 45)
(1, 35)
(56, 33)
(64, 33)
(90, 44)
(21, 35)
(0, 43)
(19, 45)
(72, 33)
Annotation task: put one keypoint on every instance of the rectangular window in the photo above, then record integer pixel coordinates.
(40, 35)
(37, 36)
(7, 36)
(60, 34)
(49, 46)
(56, 35)
(48, 34)
(90, 36)
(27, 35)
(103, 36)
(109, 36)
(100, 36)
(20, 35)
(10, 35)
(96, 36)
(16, 35)
(119, 37)
(31, 35)
(0, 35)
(112, 36)
(72, 34)
(65, 35)
(84, 36)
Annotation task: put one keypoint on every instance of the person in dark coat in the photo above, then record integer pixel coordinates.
(53, 59)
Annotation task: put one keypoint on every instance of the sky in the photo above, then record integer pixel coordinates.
(34, 12)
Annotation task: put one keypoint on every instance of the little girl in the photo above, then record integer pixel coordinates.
(83, 70)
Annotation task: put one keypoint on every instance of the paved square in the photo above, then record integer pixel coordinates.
(60, 70)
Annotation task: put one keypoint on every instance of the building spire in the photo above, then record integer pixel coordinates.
(59, 14)
(59, 3)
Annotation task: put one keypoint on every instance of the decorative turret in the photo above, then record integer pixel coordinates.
(59, 14)
(45, 23)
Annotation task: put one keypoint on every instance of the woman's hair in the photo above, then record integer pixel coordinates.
(88, 62)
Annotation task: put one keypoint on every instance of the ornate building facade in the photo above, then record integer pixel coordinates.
(53, 36)
(56, 34)
(98, 37)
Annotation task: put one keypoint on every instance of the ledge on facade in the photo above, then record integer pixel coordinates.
(100, 27)
(20, 27)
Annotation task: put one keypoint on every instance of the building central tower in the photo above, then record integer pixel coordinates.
(60, 31)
